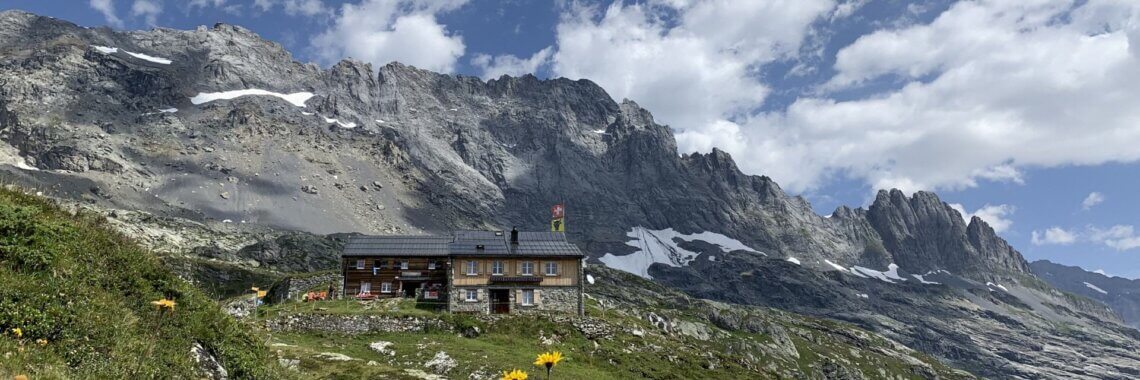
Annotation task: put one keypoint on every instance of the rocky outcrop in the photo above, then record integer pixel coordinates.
(294, 287)
(923, 234)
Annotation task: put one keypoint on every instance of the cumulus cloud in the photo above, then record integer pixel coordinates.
(496, 66)
(1119, 237)
(381, 31)
(693, 64)
(1053, 235)
(308, 8)
(983, 91)
(148, 10)
(207, 3)
(107, 8)
(996, 216)
(988, 88)
(1093, 199)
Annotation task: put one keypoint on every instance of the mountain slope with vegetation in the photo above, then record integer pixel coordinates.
(633, 329)
(75, 302)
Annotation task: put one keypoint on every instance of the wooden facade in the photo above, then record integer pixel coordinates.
(422, 277)
(566, 270)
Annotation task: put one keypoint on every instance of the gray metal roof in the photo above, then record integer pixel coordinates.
(465, 243)
(397, 245)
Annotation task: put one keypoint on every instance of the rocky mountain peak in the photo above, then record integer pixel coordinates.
(923, 233)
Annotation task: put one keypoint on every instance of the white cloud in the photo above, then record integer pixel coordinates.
(494, 67)
(148, 10)
(990, 87)
(695, 71)
(1119, 237)
(983, 91)
(107, 8)
(380, 31)
(1093, 199)
(847, 8)
(996, 216)
(308, 8)
(207, 3)
(1053, 235)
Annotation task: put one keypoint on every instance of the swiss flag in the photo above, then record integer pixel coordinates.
(558, 211)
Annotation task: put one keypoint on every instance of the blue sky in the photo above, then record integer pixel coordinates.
(1025, 113)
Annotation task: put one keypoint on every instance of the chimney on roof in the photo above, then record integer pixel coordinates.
(514, 236)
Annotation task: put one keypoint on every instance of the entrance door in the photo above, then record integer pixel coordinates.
(410, 288)
(500, 301)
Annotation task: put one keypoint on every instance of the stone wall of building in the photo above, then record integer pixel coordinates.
(294, 288)
(562, 299)
(459, 303)
(552, 299)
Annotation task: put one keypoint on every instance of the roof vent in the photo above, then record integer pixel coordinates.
(498, 233)
(479, 248)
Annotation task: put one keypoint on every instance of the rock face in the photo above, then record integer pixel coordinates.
(1121, 294)
(434, 152)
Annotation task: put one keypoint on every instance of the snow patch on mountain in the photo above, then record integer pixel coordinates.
(297, 98)
(340, 123)
(891, 275)
(150, 58)
(921, 279)
(661, 246)
(794, 260)
(1094, 287)
(990, 284)
(836, 266)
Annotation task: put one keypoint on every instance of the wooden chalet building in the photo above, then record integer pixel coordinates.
(396, 266)
(472, 271)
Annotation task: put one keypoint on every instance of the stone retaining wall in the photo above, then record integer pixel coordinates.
(354, 324)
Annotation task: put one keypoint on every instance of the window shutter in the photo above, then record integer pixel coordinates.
(478, 294)
(536, 293)
(518, 267)
(519, 296)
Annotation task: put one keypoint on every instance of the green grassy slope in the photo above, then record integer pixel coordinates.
(781, 345)
(72, 282)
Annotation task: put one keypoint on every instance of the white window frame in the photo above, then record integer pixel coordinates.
(471, 295)
(527, 297)
(431, 265)
(360, 264)
(497, 268)
(385, 287)
(365, 288)
(472, 268)
(528, 268)
(404, 265)
(550, 265)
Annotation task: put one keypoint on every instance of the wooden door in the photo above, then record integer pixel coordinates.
(500, 301)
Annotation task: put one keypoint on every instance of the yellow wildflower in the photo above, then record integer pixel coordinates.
(548, 359)
(18, 333)
(42, 341)
(20, 377)
(514, 375)
(164, 304)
